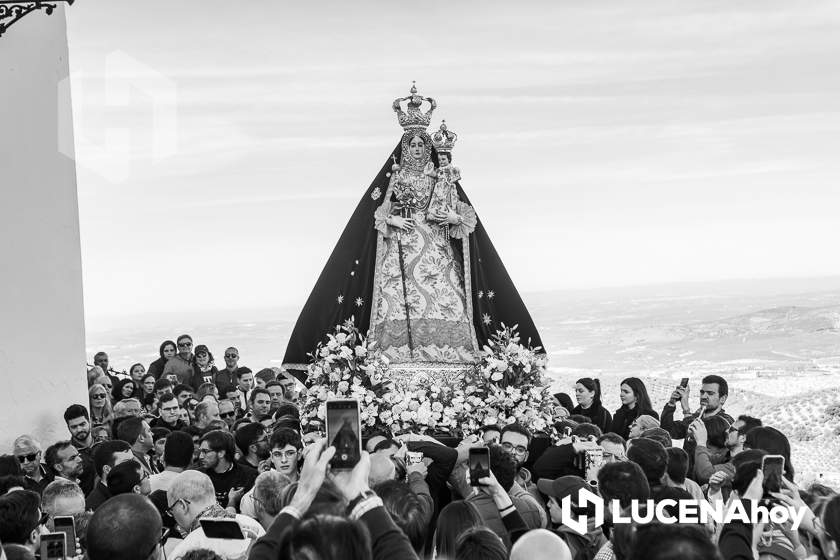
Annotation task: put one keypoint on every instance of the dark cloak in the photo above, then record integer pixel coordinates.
(345, 286)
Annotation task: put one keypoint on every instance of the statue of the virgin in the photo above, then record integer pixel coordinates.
(414, 268)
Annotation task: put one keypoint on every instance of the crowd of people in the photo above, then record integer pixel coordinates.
(160, 454)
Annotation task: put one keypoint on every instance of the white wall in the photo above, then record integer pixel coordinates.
(42, 335)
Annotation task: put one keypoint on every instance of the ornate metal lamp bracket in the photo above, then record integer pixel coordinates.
(11, 11)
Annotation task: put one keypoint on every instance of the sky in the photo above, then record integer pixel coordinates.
(221, 151)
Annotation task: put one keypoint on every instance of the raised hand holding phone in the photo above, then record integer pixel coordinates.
(312, 474)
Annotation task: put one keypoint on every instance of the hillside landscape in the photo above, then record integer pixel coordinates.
(777, 342)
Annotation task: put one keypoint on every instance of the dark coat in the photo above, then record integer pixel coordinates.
(624, 416)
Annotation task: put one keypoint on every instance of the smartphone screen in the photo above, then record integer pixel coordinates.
(479, 463)
(773, 466)
(52, 546)
(593, 461)
(344, 433)
(66, 524)
(684, 382)
(221, 529)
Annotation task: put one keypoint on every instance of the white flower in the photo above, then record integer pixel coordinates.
(343, 386)
(361, 352)
(346, 353)
(340, 338)
(406, 416)
(437, 407)
(497, 376)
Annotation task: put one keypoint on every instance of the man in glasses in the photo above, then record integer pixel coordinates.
(516, 440)
(21, 519)
(192, 497)
(227, 377)
(28, 452)
(217, 458)
(286, 448)
(168, 410)
(181, 365)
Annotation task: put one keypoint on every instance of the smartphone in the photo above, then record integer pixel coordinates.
(67, 525)
(773, 466)
(479, 463)
(593, 460)
(684, 382)
(53, 546)
(221, 528)
(344, 432)
(414, 457)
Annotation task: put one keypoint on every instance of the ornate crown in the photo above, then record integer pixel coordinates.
(413, 118)
(444, 139)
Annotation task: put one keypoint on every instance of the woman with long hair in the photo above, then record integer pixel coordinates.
(634, 403)
(147, 388)
(167, 351)
(101, 412)
(588, 395)
(124, 389)
(453, 520)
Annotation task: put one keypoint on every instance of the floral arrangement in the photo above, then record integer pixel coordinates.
(346, 366)
(507, 385)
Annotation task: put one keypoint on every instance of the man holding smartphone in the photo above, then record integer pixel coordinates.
(713, 393)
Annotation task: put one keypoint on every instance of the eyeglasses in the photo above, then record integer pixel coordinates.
(186, 503)
(230, 414)
(28, 458)
(519, 449)
(231, 356)
(184, 344)
(206, 451)
(278, 454)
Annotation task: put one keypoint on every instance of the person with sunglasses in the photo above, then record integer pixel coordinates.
(27, 450)
(101, 411)
(227, 377)
(181, 365)
(704, 465)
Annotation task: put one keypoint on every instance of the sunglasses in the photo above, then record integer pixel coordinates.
(231, 356)
(230, 414)
(184, 344)
(27, 458)
(99, 396)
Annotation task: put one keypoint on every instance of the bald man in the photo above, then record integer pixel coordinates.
(540, 544)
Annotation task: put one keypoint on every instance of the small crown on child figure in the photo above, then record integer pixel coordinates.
(412, 118)
(444, 139)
